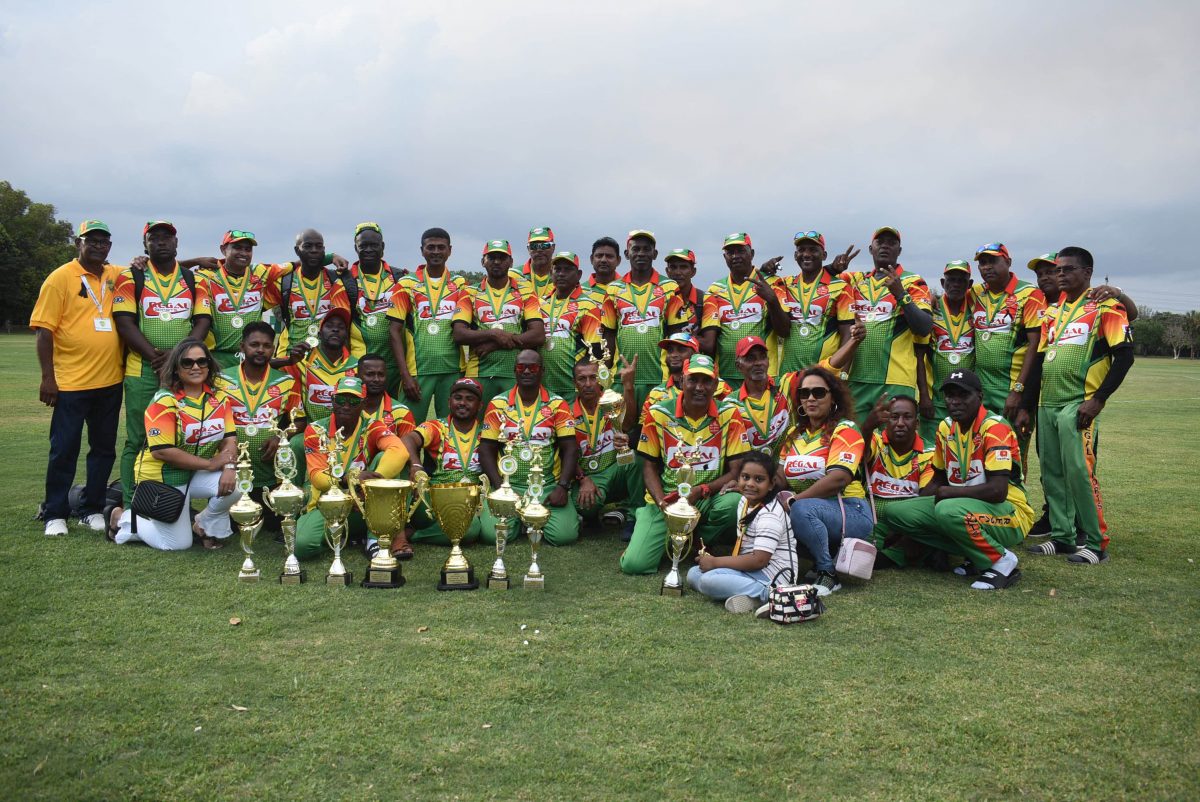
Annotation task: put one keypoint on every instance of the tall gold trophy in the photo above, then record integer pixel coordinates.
(682, 519)
(612, 404)
(502, 504)
(246, 513)
(286, 501)
(385, 505)
(335, 506)
(535, 515)
(455, 506)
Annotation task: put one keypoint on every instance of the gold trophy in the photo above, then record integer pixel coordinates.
(682, 519)
(454, 506)
(335, 506)
(612, 404)
(535, 515)
(287, 501)
(502, 504)
(246, 513)
(385, 505)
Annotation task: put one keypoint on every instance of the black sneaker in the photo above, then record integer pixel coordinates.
(1050, 547)
(826, 583)
(1041, 527)
(1088, 557)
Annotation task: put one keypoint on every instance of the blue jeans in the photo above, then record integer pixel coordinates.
(817, 523)
(100, 410)
(721, 583)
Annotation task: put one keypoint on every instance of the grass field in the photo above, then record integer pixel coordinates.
(124, 679)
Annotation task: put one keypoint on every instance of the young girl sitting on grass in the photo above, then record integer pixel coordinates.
(764, 544)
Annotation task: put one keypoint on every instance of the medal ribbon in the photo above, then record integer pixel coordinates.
(355, 444)
(993, 309)
(527, 429)
(152, 280)
(372, 300)
(868, 290)
(464, 458)
(956, 331)
(768, 406)
(593, 429)
(633, 296)
(556, 311)
(435, 302)
(806, 300)
(244, 385)
(738, 302)
(895, 464)
(1071, 315)
(497, 308)
(312, 310)
(961, 446)
(223, 277)
(744, 509)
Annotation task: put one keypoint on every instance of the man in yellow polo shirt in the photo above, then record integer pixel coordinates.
(80, 356)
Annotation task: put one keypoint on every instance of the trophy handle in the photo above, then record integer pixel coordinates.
(487, 488)
(354, 485)
(421, 481)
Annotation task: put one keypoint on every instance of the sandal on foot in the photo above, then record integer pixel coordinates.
(1051, 547)
(994, 580)
(966, 569)
(208, 542)
(1088, 557)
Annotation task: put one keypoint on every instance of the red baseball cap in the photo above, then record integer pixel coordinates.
(339, 312)
(993, 249)
(746, 343)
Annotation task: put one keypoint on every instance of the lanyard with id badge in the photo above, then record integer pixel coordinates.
(101, 322)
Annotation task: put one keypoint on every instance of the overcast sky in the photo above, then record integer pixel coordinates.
(1039, 124)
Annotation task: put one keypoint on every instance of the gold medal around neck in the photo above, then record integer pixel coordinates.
(805, 331)
(1050, 356)
(642, 328)
(550, 345)
(434, 328)
(165, 315)
(372, 320)
(313, 328)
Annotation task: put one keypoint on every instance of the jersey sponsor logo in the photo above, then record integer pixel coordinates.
(943, 345)
(774, 429)
(321, 394)
(251, 302)
(751, 312)
(847, 456)
(1077, 333)
(509, 313)
(445, 309)
(1001, 324)
(180, 307)
(709, 457)
(300, 311)
(974, 473)
(873, 313)
(541, 435)
(603, 444)
(203, 432)
(263, 416)
(561, 328)
(630, 316)
(1002, 454)
(886, 486)
(804, 466)
(451, 462)
(799, 316)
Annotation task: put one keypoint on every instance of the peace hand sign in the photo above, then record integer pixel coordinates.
(842, 260)
(627, 370)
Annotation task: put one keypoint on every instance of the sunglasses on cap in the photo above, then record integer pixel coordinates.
(808, 235)
(816, 393)
(540, 246)
(237, 234)
(995, 247)
(187, 362)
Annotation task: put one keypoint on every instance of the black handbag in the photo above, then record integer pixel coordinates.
(160, 501)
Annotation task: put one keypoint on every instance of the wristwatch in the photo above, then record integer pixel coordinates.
(906, 299)
(1018, 387)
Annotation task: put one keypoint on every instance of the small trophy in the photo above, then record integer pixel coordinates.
(455, 506)
(335, 506)
(535, 515)
(612, 404)
(246, 513)
(681, 518)
(502, 504)
(385, 505)
(287, 501)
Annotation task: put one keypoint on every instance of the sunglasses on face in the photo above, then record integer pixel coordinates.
(540, 246)
(345, 400)
(529, 368)
(816, 393)
(199, 362)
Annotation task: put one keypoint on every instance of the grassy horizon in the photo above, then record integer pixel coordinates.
(123, 677)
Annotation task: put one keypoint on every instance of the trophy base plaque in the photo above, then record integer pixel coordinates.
(383, 577)
(497, 582)
(534, 582)
(340, 580)
(671, 590)
(458, 580)
(293, 579)
(249, 576)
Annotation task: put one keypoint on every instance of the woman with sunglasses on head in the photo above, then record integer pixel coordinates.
(764, 542)
(191, 444)
(819, 463)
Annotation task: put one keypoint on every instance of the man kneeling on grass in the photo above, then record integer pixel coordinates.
(974, 505)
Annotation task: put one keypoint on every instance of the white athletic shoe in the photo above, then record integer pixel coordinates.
(56, 527)
(741, 604)
(95, 522)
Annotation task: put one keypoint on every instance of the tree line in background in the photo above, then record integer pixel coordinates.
(33, 242)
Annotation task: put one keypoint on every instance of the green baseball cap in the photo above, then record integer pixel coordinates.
(643, 234)
(541, 234)
(740, 238)
(957, 265)
(700, 363)
(361, 227)
(351, 385)
(1046, 259)
(566, 256)
(885, 230)
(152, 224)
(88, 226)
(497, 246)
(687, 254)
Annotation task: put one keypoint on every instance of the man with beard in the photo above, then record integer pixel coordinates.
(422, 317)
(975, 504)
(694, 426)
(810, 299)
(534, 276)
(601, 479)
(496, 320)
(677, 349)
(572, 325)
(895, 305)
(951, 345)
(606, 258)
(259, 396)
(640, 312)
(154, 309)
(318, 375)
(763, 405)
(898, 465)
(306, 296)
(377, 284)
(742, 305)
(451, 447)
(80, 356)
(539, 421)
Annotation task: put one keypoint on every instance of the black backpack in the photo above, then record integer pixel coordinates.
(348, 281)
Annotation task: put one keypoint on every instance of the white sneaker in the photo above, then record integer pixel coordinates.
(56, 527)
(95, 522)
(764, 611)
(741, 604)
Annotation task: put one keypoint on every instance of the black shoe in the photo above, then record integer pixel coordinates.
(1041, 527)
(1050, 547)
(1081, 538)
(1088, 557)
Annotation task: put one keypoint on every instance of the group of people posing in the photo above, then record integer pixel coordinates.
(811, 408)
